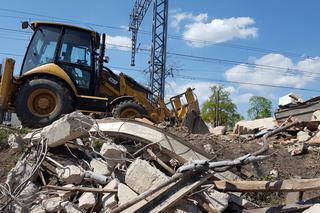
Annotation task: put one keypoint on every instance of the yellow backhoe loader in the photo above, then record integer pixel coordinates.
(63, 71)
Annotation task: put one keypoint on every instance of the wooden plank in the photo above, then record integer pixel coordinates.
(297, 185)
(172, 195)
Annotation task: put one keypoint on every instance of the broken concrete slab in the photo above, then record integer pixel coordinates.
(313, 209)
(52, 204)
(315, 140)
(151, 177)
(101, 167)
(303, 136)
(68, 127)
(113, 153)
(109, 200)
(151, 134)
(70, 174)
(65, 195)
(37, 209)
(298, 149)
(254, 126)
(316, 116)
(68, 207)
(219, 130)
(15, 142)
(125, 194)
(217, 200)
(87, 200)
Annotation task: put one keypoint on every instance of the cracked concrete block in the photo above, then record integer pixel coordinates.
(109, 200)
(219, 130)
(69, 127)
(29, 192)
(217, 200)
(113, 153)
(141, 176)
(37, 209)
(70, 174)
(65, 195)
(313, 209)
(68, 207)
(125, 194)
(303, 136)
(15, 142)
(87, 200)
(101, 167)
(52, 204)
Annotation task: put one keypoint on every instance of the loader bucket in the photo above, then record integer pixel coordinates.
(194, 123)
(188, 115)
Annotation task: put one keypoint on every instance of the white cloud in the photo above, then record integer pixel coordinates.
(219, 30)
(177, 18)
(198, 28)
(296, 75)
(118, 42)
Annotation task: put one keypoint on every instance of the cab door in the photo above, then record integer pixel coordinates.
(76, 58)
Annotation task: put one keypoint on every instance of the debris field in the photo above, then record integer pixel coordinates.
(81, 164)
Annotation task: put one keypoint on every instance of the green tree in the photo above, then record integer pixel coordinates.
(260, 107)
(219, 109)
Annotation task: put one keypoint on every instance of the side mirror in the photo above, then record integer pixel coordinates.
(106, 59)
(25, 25)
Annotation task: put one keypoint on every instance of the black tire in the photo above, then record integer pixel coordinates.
(119, 111)
(58, 95)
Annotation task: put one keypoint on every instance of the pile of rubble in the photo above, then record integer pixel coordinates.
(79, 164)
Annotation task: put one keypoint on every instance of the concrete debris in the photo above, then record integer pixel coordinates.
(87, 200)
(313, 209)
(65, 195)
(125, 194)
(252, 127)
(69, 127)
(113, 153)
(152, 177)
(37, 209)
(111, 165)
(219, 130)
(101, 167)
(68, 207)
(52, 204)
(298, 149)
(208, 148)
(217, 200)
(70, 174)
(316, 116)
(303, 136)
(15, 142)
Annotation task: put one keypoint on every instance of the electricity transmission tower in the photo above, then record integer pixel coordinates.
(158, 55)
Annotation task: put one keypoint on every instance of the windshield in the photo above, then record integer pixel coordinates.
(42, 47)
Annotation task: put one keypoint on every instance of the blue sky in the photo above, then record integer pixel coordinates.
(278, 39)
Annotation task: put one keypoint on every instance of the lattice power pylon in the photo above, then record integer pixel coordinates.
(158, 57)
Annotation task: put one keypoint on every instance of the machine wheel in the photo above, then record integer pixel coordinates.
(129, 109)
(41, 101)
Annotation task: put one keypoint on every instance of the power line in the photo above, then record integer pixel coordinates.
(224, 61)
(225, 81)
(177, 37)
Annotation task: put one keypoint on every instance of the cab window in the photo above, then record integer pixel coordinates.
(75, 57)
(42, 47)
